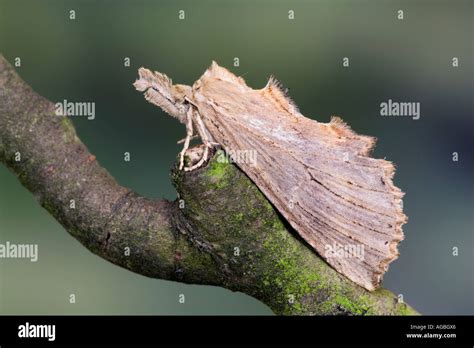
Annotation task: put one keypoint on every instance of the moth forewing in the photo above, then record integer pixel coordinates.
(318, 175)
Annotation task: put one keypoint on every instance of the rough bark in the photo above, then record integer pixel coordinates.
(227, 234)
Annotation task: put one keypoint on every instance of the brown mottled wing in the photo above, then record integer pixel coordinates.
(318, 175)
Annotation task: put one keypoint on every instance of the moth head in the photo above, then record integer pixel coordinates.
(158, 81)
(159, 90)
(182, 93)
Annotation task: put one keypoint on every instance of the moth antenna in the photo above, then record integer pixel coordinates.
(275, 91)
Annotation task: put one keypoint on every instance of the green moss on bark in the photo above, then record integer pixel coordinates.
(272, 263)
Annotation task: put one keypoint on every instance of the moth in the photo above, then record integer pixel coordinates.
(319, 176)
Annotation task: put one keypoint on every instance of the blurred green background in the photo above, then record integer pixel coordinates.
(403, 60)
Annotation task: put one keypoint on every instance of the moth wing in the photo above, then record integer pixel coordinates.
(318, 175)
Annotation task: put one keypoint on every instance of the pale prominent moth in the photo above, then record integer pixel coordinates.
(319, 176)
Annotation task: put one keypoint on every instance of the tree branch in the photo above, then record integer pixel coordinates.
(227, 234)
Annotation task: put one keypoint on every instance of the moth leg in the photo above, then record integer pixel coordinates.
(184, 139)
(189, 134)
(205, 139)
